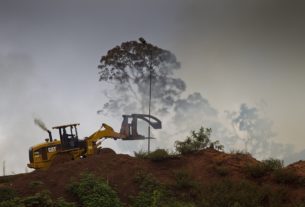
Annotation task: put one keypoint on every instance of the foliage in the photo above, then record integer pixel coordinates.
(62, 203)
(263, 168)
(36, 183)
(228, 193)
(39, 199)
(287, 176)
(157, 155)
(197, 141)
(152, 193)
(15, 202)
(130, 66)
(7, 194)
(239, 152)
(93, 191)
(273, 164)
(184, 180)
(222, 170)
(176, 203)
(141, 154)
(256, 170)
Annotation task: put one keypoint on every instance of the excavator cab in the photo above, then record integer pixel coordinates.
(68, 136)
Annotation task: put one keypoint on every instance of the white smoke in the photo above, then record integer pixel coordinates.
(40, 123)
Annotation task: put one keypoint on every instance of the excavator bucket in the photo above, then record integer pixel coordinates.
(129, 129)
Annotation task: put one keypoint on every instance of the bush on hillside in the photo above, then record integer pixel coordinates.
(197, 141)
(151, 194)
(286, 176)
(157, 155)
(92, 191)
(39, 199)
(184, 180)
(273, 164)
(262, 169)
(239, 194)
(141, 154)
(7, 194)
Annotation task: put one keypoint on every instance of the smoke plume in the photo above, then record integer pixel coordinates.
(40, 123)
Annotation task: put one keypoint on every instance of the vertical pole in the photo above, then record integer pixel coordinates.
(149, 104)
(3, 167)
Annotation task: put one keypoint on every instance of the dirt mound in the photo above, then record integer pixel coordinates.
(119, 171)
(298, 167)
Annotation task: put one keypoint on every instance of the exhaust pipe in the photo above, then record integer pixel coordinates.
(50, 135)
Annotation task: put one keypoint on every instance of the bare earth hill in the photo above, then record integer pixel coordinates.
(206, 167)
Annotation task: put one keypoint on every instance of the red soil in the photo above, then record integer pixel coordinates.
(120, 170)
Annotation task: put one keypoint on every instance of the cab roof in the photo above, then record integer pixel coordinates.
(63, 126)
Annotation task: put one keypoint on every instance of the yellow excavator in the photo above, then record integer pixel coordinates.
(43, 155)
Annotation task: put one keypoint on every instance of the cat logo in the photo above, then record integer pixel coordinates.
(52, 149)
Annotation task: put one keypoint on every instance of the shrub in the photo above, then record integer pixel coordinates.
(15, 202)
(184, 180)
(159, 155)
(7, 194)
(197, 141)
(39, 199)
(92, 192)
(233, 194)
(151, 194)
(286, 176)
(262, 169)
(273, 164)
(256, 170)
(141, 154)
(222, 170)
(179, 204)
(62, 203)
(36, 183)
(239, 152)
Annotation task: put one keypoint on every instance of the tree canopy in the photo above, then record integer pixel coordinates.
(129, 66)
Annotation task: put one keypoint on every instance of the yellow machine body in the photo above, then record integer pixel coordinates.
(43, 155)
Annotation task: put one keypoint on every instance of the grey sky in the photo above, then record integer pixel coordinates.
(231, 51)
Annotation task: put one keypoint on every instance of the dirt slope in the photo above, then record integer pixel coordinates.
(119, 170)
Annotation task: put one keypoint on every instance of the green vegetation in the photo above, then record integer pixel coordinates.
(157, 155)
(184, 180)
(141, 154)
(197, 141)
(287, 176)
(264, 168)
(239, 152)
(273, 164)
(6, 194)
(152, 193)
(36, 183)
(39, 199)
(92, 191)
(227, 193)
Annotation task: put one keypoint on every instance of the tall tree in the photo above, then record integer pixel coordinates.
(129, 67)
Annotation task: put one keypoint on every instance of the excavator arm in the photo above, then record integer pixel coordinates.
(106, 131)
(128, 131)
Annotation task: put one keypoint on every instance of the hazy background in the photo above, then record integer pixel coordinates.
(232, 52)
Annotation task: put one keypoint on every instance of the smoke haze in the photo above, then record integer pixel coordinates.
(40, 123)
(231, 52)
